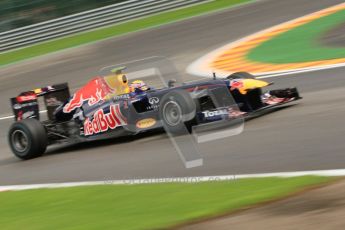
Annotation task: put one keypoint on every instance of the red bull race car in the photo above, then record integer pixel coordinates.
(111, 106)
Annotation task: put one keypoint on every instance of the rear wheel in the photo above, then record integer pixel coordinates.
(28, 139)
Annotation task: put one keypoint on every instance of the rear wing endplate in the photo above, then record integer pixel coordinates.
(26, 104)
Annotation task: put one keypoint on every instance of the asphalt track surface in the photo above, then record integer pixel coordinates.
(335, 37)
(308, 136)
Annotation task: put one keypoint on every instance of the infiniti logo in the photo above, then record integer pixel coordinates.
(153, 100)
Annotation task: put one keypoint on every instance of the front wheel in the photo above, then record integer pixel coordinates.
(28, 139)
(177, 111)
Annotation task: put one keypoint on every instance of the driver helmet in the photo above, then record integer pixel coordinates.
(138, 85)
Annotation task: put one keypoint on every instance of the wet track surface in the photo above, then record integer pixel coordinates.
(307, 136)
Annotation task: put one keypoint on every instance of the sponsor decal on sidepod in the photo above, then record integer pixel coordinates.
(102, 122)
(154, 103)
(215, 113)
(93, 92)
(146, 123)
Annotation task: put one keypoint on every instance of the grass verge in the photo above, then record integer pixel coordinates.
(96, 35)
(301, 44)
(139, 206)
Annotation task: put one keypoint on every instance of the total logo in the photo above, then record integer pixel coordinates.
(102, 122)
(216, 113)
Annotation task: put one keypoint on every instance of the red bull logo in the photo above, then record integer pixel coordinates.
(236, 84)
(102, 122)
(93, 92)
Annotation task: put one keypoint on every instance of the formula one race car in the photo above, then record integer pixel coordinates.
(110, 106)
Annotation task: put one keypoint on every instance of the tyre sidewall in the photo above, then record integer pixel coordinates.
(36, 137)
(187, 106)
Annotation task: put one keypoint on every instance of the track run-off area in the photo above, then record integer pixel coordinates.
(236, 56)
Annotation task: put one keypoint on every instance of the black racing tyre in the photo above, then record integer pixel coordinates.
(285, 93)
(28, 139)
(241, 75)
(177, 111)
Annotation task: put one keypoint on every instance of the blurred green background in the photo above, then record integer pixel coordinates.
(18, 13)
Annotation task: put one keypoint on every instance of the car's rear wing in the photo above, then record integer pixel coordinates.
(26, 105)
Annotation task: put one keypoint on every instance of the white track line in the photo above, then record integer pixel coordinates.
(297, 71)
(12, 116)
(332, 172)
(6, 117)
